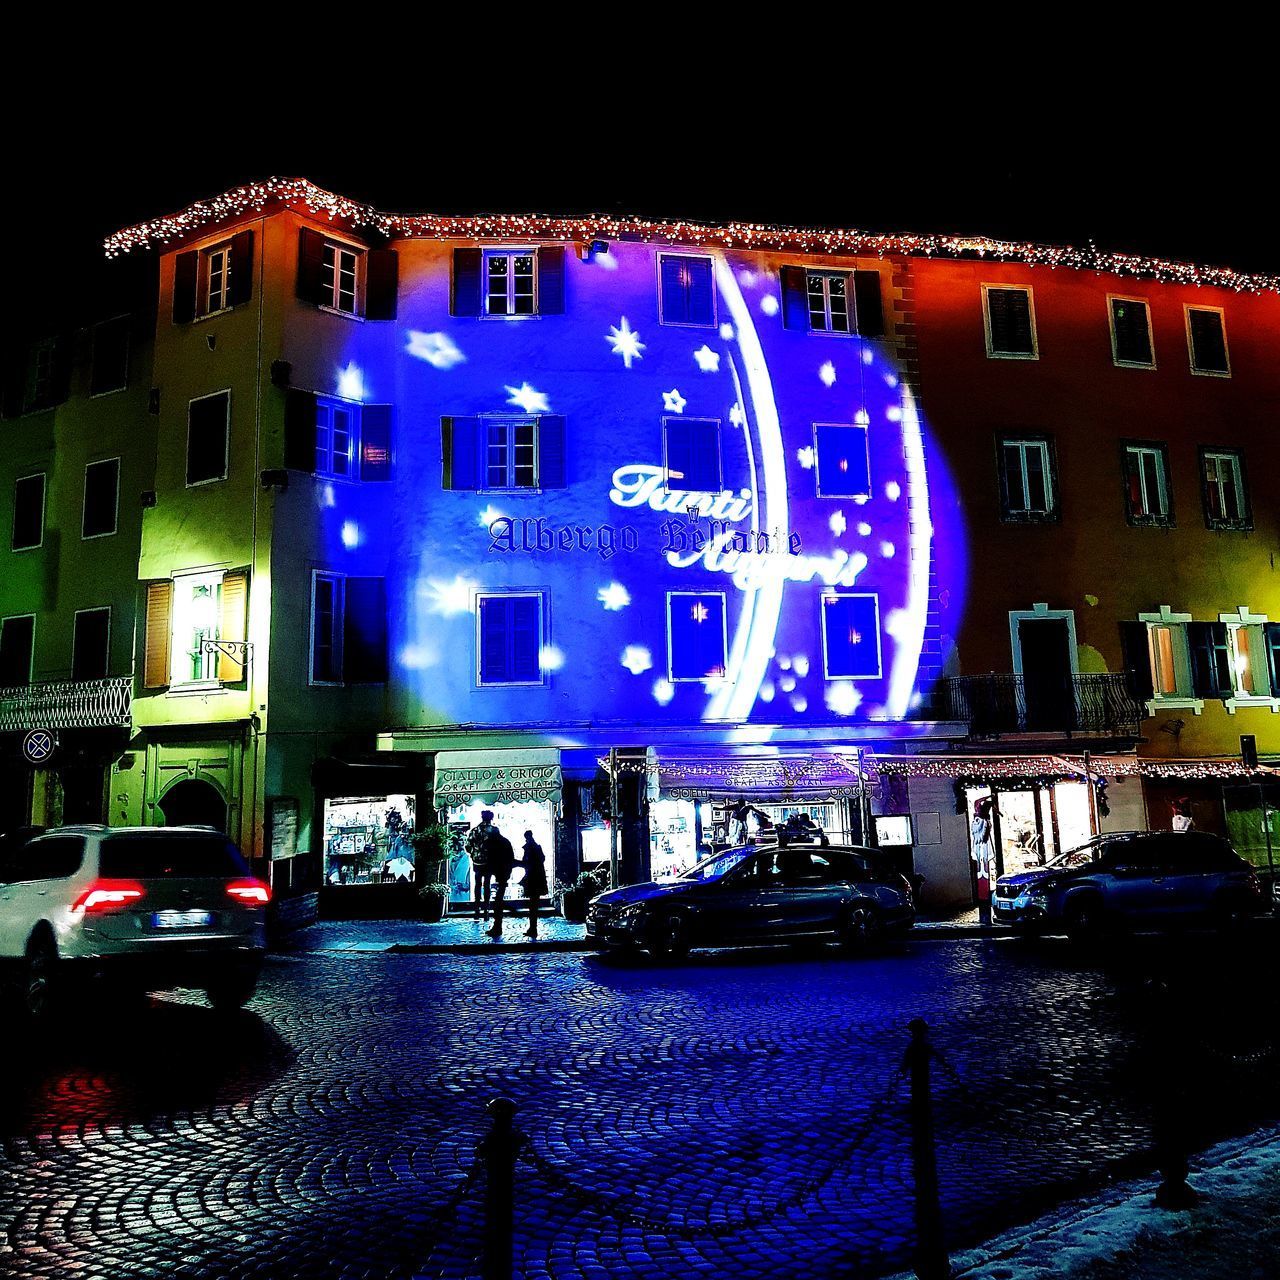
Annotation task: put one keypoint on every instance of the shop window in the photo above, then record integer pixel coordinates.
(348, 629)
(208, 438)
(691, 449)
(101, 498)
(503, 454)
(28, 513)
(1028, 489)
(1226, 500)
(696, 635)
(1148, 500)
(213, 279)
(509, 630)
(17, 650)
(851, 636)
(91, 644)
(1207, 342)
(1131, 333)
(109, 370)
(1010, 322)
(843, 460)
(687, 292)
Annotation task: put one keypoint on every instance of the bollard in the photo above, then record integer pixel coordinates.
(499, 1151)
(1170, 1104)
(931, 1261)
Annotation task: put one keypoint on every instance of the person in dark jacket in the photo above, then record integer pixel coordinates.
(500, 858)
(534, 863)
(476, 846)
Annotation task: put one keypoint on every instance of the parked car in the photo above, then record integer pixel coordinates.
(15, 838)
(1143, 879)
(151, 908)
(755, 894)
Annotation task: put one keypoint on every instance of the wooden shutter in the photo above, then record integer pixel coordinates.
(1208, 341)
(1135, 646)
(795, 298)
(63, 364)
(310, 265)
(109, 369)
(675, 298)
(1210, 660)
(157, 640)
(551, 280)
(241, 289)
(461, 442)
(375, 442)
(299, 430)
(551, 451)
(1009, 315)
(494, 630)
(364, 631)
(185, 269)
(526, 637)
(1271, 639)
(464, 291)
(233, 622)
(382, 279)
(702, 306)
(868, 308)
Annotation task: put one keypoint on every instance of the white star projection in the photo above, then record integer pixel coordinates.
(726, 332)
(449, 598)
(624, 341)
(708, 360)
(614, 597)
(351, 382)
(893, 491)
(663, 692)
(801, 665)
(737, 417)
(438, 349)
(828, 374)
(673, 401)
(526, 398)
(489, 515)
(837, 524)
(769, 305)
(550, 658)
(805, 457)
(864, 529)
(637, 659)
(842, 698)
(888, 550)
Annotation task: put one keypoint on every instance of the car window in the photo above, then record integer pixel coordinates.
(717, 867)
(804, 867)
(1146, 853)
(1192, 852)
(1083, 856)
(173, 854)
(48, 858)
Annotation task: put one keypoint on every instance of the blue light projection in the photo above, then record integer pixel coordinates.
(813, 559)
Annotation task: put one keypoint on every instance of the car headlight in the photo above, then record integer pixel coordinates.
(630, 916)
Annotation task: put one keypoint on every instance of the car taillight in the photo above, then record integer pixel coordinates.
(253, 893)
(107, 895)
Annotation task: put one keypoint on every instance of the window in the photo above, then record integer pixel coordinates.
(348, 629)
(110, 367)
(1207, 342)
(197, 606)
(1146, 473)
(91, 644)
(851, 636)
(509, 632)
(1131, 333)
(1163, 662)
(215, 282)
(347, 278)
(208, 438)
(28, 512)
(1251, 652)
(101, 498)
(1027, 487)
(338, 277)
(696, 635)
(185, 616)
(508, 281)
(687, 293)
(337, 438)
(832, 301)
(17, 649)
(1010, 322)
(1226, 501)
(843, 460)
(510, 287)
(502, 453)
(45, 371)
(691, 448)
(47, 858)
(213, 279)
(828, 301)
(1157, 660)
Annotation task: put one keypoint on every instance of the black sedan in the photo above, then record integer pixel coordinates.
(757, 894)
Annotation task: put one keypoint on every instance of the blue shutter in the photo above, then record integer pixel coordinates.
(842, 461)
(693, 454)
(795, 298)
(464, 294)
(702, 308)
(381, 281)
(494, 628)
(462, 442)
(697, 635)
(364, 631)
(551, 280)
(868, 308)
(551, 451)
(526, 638)
(851, 628)
(679, 454)
(375, 442)
(675, 300)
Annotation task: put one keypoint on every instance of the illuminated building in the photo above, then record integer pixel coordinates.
(447, 509)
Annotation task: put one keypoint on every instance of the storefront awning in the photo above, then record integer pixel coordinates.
(812, 776)
(497, 776)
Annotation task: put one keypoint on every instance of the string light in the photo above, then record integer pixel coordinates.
(300, 194)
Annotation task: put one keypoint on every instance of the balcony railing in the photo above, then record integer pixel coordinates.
(1005, 703)
(67, 704)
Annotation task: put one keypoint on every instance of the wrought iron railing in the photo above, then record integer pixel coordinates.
(1005, 703)
(67, 704)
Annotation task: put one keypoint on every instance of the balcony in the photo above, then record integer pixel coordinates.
(1002, 703)
(67, 704)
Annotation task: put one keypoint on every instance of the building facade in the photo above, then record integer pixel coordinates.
(611, 526)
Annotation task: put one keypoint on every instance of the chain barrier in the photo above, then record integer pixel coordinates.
(448, 1211)
(1249, 1058)
(616, 1207)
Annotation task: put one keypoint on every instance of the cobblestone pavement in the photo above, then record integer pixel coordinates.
(327, 1130)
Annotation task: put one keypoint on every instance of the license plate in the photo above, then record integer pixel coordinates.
(591, 926)
(181, 919)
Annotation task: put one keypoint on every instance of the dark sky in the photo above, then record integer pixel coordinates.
(942, 166)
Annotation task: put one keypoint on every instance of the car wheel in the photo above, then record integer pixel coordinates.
(1084, 919)
(40, 978)
(860, 928)
(668, 937)
(232, 991)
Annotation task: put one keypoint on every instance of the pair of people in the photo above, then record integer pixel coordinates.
(492, 861)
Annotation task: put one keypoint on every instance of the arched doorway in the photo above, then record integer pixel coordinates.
(194, 802)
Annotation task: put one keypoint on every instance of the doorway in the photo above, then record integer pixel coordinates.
(194, 802)
(1046, 649)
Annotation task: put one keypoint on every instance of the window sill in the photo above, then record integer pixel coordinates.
(338, 311)
(1029, 517)
(1134, 364)
(195, 689)
(1252, 700)
(1230, 526)
(1210, 373)
(1156, 706)
(1013, 355)
(1152, 522)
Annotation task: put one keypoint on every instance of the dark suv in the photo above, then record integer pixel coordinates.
(1145, 879)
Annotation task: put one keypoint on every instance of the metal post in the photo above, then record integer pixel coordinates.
(931, 1262)
(615, 879)
(1093, 798)
(1266, 828)
(499, 1153)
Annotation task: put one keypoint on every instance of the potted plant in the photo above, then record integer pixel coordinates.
(432, 900)
(431, 853)
(574, 898)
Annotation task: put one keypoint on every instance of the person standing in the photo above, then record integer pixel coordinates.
(500, 858)
(534, 863)
(477, 845)
(983, 855)
(1182, 820)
